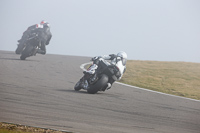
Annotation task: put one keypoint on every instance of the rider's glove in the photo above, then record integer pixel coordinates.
(112, 56)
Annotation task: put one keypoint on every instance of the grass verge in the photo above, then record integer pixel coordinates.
(177, 78)
(14, 128)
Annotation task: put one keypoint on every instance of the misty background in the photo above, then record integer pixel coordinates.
(159, 30)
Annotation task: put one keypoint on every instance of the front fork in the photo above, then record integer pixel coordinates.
(37, 48)
(88, 79)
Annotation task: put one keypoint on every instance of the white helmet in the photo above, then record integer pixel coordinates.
(123, 57)
(122, 54)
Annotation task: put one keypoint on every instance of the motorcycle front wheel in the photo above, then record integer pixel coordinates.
(19, 49)
(77, 87)
(27, 52)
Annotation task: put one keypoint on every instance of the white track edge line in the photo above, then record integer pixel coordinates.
(83, 65)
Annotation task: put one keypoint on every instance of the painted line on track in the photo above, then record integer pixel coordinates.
(82, 66)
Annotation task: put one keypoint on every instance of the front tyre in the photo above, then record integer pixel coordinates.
(77, 87)
(103, 80)
(27, 52)
(19, 49)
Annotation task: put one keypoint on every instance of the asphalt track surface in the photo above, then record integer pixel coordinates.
(40, 92)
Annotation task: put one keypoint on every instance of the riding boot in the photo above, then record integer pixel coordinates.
(39, 51)
(108, 86)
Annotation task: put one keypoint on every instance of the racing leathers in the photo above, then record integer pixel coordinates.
(45, 35)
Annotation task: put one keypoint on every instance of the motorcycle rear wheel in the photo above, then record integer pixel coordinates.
(103, 80)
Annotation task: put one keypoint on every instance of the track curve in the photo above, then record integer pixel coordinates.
(39, 92)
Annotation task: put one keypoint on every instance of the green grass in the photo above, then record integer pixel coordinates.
(15, 128)
(177, 78)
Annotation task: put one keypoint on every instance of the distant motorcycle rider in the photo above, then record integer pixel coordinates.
(118, 60)
(43, 29)
(45, 34)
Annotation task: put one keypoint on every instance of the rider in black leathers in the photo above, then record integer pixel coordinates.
(43, 29)
(46, 36)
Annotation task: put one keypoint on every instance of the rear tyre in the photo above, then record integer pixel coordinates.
(27, 52)
(98, 85)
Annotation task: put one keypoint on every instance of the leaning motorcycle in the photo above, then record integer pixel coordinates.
(32, 45)
(98, 81)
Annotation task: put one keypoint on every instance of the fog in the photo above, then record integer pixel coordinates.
(160, 30)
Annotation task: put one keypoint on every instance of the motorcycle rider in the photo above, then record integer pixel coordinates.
(43, 28)
(45, 34)
(118, 60)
